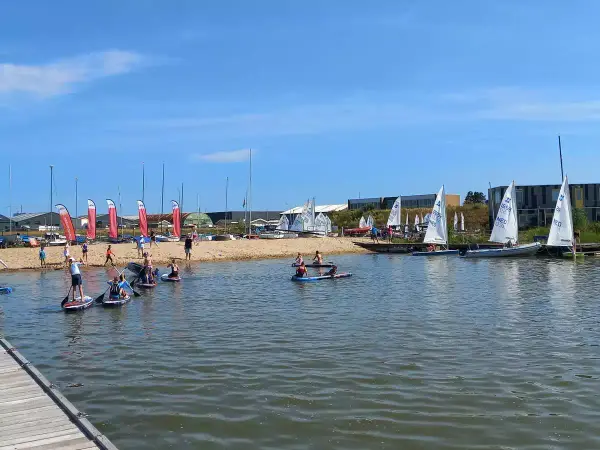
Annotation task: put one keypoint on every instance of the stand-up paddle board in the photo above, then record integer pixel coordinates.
(314, 265)
(5, 290)
(146, 285)
(323, 277)
(165, 277)
(78, 304)
(115, 301)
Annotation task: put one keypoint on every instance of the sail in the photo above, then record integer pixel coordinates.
(176, 219)
(91, 225)
(455, 221)
(362, 223)
(308, 216)
(561, 231)
(329, 226)
(143, 218)
(407, 218)
(370, 221)
(284, 223)
(321, 223)
(506, 226)
(437, 227)
(462, 222)
(298, 224)
(66, 222)
(417, 223)
(395, 218)
(112, 219)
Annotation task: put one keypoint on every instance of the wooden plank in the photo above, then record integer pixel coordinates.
(45, 411)
(36, 421)
(34, 429)
(41, 436)
(72, 444)
(62, 439)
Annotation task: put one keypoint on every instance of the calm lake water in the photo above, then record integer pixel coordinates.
(410, 353)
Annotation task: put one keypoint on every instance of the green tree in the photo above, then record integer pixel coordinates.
(580, 220)
(474, 197)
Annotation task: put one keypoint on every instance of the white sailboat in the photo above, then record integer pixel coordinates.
(370, 221)
(437, 228)
(562, 230)
(455, 222)
(462, 222)
(417, 221)
(506, 231)
(395, 218)
(362, 223)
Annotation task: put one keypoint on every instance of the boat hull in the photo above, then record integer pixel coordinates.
(519, 250)
(436, 253)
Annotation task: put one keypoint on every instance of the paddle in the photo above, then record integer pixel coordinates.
(100, 298)
(66, 299)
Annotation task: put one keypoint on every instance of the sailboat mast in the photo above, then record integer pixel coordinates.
(181, 203)
(162, 198)
(198, 208)
(51, 183)
(313, 213)
(10, 199)
(120, 209)
(562, 174)
(143, 181)
(226, 197)
(249, 200)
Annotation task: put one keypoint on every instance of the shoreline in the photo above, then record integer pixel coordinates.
(27, 258)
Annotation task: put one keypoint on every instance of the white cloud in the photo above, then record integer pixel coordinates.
(61, 77)
(233, 156)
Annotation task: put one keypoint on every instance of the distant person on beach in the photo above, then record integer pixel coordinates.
(152, 239)
(140, 247)
(299, 259)
(84, 251)
(374, 237)
(66, 254)
(76, 280)
(109, 255)
(188, 247)
(43, 256)
(301, 271)
(318, 258)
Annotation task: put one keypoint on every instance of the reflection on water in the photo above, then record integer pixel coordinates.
(439, 353)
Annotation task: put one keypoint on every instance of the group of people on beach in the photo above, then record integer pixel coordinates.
(84, 254)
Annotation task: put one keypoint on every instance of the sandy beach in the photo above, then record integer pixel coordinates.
(28, 258)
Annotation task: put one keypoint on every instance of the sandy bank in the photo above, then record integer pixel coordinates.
(28, 258)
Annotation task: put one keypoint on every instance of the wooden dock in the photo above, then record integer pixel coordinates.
(34, 414)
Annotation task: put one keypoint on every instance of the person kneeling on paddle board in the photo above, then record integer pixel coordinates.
(332, 271)
(76, 278)
(299, 260)
(116, 291)
(123, 283)
(174, 270)
(301, 271)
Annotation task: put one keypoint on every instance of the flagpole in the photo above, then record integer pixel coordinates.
(249, 200)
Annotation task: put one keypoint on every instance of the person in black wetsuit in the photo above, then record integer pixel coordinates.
(332, 271)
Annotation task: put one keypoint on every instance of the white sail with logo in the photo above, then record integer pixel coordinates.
(329, 226)
(455, 221)
(308, 216)
(362, 223)
(298, 224)
(321, 223)
(395, 218)
(506, 226)
(462, 222)
(370, 221)
(437, 228)
(561, 231)
(284, 223)
(417, 223)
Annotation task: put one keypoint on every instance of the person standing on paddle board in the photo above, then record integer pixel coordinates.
(76, 280)
(188, 247)
(109, 255)
(318, 259)
(84, 251)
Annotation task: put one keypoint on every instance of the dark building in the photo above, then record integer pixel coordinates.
(407, 201)
(535, 204)
(239, 216)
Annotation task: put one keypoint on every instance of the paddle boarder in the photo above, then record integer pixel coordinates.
(299, 259)
(188, 247)
(116, 291)
(109, 255)
(318, 259)
(76, 280)
(302, 271)
(123, 283)
(332, 271)
(174, 270)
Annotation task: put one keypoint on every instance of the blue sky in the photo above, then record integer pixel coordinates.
(335, 98)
